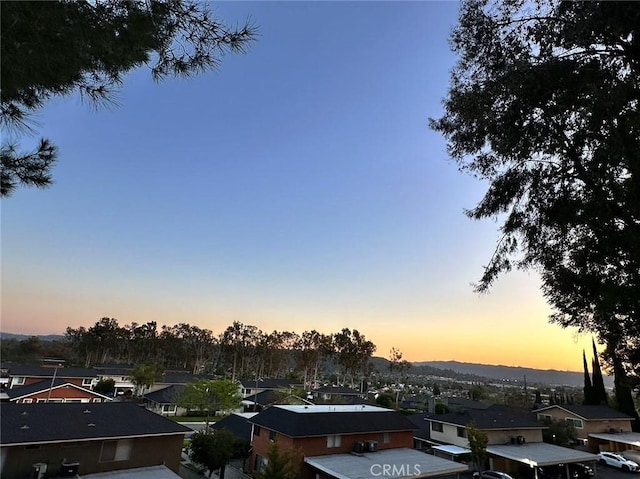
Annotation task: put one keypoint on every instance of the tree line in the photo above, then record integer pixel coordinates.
(241, 351)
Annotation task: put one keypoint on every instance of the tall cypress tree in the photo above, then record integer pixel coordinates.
(588, 387)
(599, 393)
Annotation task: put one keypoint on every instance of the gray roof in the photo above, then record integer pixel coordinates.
(150, 472)
(47, 422)
(488, 419)
(236, 424)
(34, 370)
(590, 412)
(540, 454)
(422, 424)
(304, 421)
(264, 398)
(407, 462)
(627, 438)
(168, 395)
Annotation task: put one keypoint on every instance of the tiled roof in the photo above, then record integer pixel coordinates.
(168, 395)
(589, 412)
(301, 421)
(34, 370)
(47, 422)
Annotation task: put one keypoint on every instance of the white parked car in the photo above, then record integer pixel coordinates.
(632, 455)
(616, 460)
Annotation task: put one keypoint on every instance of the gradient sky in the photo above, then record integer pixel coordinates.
(298, 187)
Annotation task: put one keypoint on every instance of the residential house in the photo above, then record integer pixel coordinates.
(264, 399)
(339, 441)
(601, 427)
(514, 439)
(26, 374)
(120, 374)
(85, 438)
(54, 391)
(256, 386)
(179, 378)
(163, 401)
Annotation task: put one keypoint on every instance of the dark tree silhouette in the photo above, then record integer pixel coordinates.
(543, 105)
(57, 48)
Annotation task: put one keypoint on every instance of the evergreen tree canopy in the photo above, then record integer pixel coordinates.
(588, 387)
(282, 463)
(57, 48)
(212, 449)
(544, 106)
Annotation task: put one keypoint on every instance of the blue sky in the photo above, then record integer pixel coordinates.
(298, 187)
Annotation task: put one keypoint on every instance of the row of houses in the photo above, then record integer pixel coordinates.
(336, 440)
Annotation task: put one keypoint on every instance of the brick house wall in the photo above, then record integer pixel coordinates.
(93, 456)
(317, 446)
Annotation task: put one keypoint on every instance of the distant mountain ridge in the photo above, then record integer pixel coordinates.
(41, 337)
(515, 373)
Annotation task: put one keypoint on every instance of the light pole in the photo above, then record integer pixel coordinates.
(53, 379)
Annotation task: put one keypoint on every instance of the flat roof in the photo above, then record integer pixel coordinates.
(540, 453)
(151, 472)
(451, 449)
(390, 463)
(630, 438)
(325, 408)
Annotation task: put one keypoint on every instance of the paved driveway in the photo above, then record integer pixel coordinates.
(607, 472)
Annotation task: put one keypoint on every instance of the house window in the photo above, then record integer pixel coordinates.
(261, 463)
(256, 430)
(544, 417)
(168, 408)
(27, 401)
(577, 423)
(87, 381)
(97, 400)
(385, 437)
(334, 441)
(437, 427)
(41, 400)
(272, 435)
(113, 451)
(18, 380)
(462, 431)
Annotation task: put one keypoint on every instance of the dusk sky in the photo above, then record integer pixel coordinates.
(298, 187)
